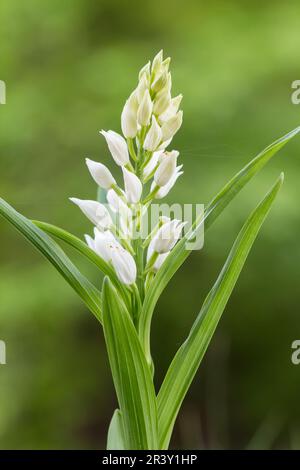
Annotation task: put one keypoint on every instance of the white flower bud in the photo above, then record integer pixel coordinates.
(143, 85)
(145, 71)
(166, 168)
(102, 242)
(95, 211)
(151, 165)
(117, 146)
(133, 186)
(170, 127)
(164, 190)
(165, 64)
(153, 136)
(116, 203)
(162, 101)
(129, 117)
(160, 82)
(171, 110)
(101, 175)
(123, 263)
(156, 63)
(145, 109)
(125, 218)
(167, 236)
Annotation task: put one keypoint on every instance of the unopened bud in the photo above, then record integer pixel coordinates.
(166, 168)
(129, 117)
(170, 127)
(153, 136)
(145, 109)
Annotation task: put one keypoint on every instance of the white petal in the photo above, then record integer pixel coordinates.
(167, 168)
(170, 127)
(149, 168)
(95, 211)
(117, 146)
(102, 243)
(167, 236)
(164, 190)
(100, 174)
(123, 264)
(133, 186)
(153, 137)
(145, 109)
(129, 117)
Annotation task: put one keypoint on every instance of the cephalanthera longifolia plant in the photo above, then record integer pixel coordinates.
(138, 268)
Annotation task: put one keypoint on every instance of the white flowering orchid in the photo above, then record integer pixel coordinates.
(137, 269)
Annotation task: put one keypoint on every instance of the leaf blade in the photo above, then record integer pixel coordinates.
(131, 375)
(84, 288)
(188, 358)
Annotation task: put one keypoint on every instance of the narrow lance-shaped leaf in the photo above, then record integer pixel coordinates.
(212, 211)
(131, 374)
(84, 288)
(188, 358)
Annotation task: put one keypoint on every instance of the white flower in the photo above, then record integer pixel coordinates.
(111, 251)
(167, 236)
(170, 127)
(153, 136)
(117, 147)
(171, 110)
(160, 82)
(129, 117)
(116, 202)
(143, 85)
(100, 174)
(165, 64)
(145, 109)
(166, 168)
(157, 63)
(95, 211)
(133, 186)
(151, 165)
(117, 205)
(102, 243)
(145, 70)
(123, 263)
(162, 101)
(164, 190)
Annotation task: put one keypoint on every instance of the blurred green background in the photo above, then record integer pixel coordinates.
(68, 67)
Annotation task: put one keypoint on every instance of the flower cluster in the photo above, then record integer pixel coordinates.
(149, 120)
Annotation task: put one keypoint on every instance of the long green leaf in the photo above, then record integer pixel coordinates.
(188, 358)
(115, 437)
(82, 248)
(212, 211)
(131, 374)
(87, 291)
